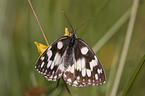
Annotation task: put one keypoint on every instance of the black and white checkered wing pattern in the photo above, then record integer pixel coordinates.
(86, 69)
(50, 62)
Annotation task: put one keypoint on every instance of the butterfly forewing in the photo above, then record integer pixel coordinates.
(86, 68)
(50, 62)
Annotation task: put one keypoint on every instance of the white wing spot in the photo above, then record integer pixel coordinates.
(104, 81)
(75, 82)
(95, 58)
(78, 63)
(78, 78)
(61, 67)
(72, 69)
(89, 80)
(69, 80)
(55, 76)
(89, 73)
(42, 58)
(51, 77)
(49, 54)
(57, 58)
(96, 76)
(42, 64)
(53, 73)
(60, 74)
(83, 63)
(84, 50)
(84, 72)
(52, 65)
(49, 63)
(59, 45)
(69, 68)
(46, 71)
(64, 75)
(99, 71)
(93, 63)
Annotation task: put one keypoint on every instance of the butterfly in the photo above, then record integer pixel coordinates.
(72, 59)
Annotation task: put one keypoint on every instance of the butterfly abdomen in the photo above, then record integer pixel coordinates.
(68, 59)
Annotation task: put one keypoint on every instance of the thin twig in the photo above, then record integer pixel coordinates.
(38, 22)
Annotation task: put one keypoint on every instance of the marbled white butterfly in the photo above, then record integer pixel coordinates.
(71, 58)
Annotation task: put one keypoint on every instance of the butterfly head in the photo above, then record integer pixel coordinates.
(73, 34)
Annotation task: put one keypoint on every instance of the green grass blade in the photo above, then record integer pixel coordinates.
(134, 76)
(111, 31)
(125, 47)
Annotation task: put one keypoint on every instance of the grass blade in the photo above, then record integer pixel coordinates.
(125, 47)
(134, 76)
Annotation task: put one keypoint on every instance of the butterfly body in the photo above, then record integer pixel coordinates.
(71, 58)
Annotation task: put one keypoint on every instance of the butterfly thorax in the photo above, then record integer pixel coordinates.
(72, 38)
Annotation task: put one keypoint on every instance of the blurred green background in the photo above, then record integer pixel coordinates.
(19, 30)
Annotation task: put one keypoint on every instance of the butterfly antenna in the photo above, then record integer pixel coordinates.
(38, 22)
(67, 20)
(84, 23)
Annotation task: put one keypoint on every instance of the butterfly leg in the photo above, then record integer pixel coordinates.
(66, 87)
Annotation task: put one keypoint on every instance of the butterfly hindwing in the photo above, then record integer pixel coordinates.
(86, 69)
(50, 62)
